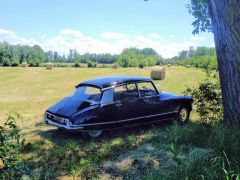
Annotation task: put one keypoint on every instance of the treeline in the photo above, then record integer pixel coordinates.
(13, 55)
(75, 57)
(201, 57)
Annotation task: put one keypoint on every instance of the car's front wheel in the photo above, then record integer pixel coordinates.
(94, 134)
(183, 115)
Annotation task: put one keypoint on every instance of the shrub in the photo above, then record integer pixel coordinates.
(208, 99)
(10, 149)
(6, 61)
(76, 65)
(91, 64)
(14, 64)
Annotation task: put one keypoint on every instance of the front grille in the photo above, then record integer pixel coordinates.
(55, 118)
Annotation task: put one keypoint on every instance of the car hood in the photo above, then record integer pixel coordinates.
(68, 107)
(169, 95)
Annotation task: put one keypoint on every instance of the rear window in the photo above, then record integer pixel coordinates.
(88, 93)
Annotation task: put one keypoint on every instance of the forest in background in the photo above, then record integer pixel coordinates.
(13, 55)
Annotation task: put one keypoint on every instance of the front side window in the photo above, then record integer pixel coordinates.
(146, 89)
(126, 92)
(88, 93)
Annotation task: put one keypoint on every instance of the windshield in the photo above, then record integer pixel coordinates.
(87, 93)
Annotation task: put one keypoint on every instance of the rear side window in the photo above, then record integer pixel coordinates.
(107, 96)
(146, 89)
(126, 92)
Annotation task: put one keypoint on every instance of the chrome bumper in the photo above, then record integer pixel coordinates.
(67, 126)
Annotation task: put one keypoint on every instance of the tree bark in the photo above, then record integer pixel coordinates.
(225, 16)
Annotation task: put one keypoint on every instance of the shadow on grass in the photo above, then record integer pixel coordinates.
(61, 153)
(164, 150)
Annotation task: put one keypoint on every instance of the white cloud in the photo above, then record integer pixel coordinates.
(12, 38)
(172, 35)
(107, 42)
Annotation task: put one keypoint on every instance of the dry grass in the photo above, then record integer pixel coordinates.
(31, 91)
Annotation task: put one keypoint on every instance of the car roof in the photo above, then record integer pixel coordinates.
(106, 82)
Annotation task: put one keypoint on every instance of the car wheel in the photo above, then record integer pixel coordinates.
(183, 115)
(94, 134)
(61, 129)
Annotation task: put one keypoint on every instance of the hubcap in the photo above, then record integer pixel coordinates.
(183, 114)
(95, 133)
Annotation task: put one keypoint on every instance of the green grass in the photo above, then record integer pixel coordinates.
(166, 151)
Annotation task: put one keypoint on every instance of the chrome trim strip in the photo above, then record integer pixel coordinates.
(131, 119)
(148, 116)
(69, 126)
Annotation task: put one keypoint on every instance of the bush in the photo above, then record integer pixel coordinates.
(208, 99)
(10, 148)
(14, 64)
(6, 61)
(91, 64)
(76, 65)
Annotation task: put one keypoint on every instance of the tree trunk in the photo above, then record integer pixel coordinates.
(226, 28)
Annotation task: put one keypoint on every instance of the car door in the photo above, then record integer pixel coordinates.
(154, 107)
(151, 104)
(127, 102)
(107, 112)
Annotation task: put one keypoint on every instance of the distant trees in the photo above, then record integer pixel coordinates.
(134, 57)
(12, 55)
(201, 57)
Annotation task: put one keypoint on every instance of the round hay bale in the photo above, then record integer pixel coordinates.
(158, 73)
(169, 65)
(24, 65)
(49, 66)
(188, 66)
(115, 66)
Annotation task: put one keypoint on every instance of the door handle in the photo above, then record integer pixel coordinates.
(119, 104)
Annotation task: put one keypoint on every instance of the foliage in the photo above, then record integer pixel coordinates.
(134, 57)
(208, 100)
(10, 147)
(16, 54)
(91, 64)
(200, 11)
(76, 65)
(201, 57)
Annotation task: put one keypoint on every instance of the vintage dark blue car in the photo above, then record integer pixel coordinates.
(115, 102)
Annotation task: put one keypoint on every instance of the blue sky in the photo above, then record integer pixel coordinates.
(100, 26)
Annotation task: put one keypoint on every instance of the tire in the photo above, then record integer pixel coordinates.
(61, 129)
(94, 134)
(183, 115)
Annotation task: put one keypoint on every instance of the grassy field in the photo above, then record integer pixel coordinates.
(161, 152)
(31, 91)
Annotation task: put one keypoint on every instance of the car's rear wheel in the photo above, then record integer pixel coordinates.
(183, 115)
(94, 134)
